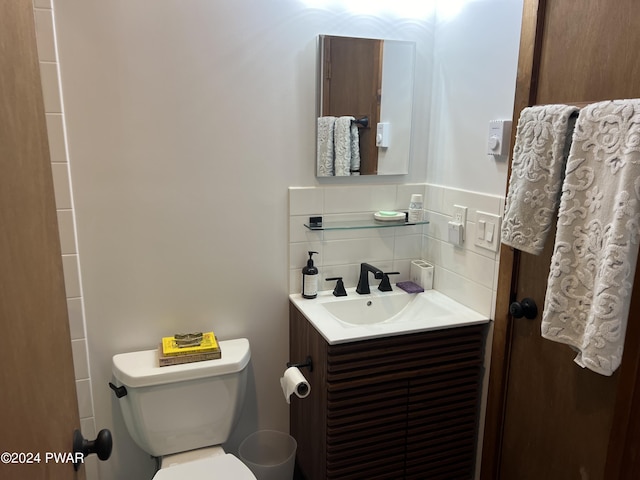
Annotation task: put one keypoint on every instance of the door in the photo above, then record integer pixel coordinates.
(38, 406)
(547, 417)
(352, 86)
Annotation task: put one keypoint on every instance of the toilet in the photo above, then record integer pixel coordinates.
(181, 414)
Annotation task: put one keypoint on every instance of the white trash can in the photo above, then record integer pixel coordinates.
(269, 454)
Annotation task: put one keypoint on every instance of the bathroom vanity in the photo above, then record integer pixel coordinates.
(393, 406)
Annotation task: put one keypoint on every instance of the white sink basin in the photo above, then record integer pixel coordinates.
(380, 314)
(368, 310)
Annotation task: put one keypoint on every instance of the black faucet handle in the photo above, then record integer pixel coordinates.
(385, 284)
(339, 291)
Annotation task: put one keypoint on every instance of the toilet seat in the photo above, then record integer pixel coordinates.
(219, 467)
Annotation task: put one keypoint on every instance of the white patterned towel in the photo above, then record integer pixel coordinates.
(596, 248)
(355, 149)
(536, 175)
(325, 146)
(346, 134)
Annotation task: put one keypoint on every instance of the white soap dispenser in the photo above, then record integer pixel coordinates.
(310, 279)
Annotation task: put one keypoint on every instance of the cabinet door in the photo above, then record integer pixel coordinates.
(366, 429)
(405, 406)
(442, 425)
(443, 407)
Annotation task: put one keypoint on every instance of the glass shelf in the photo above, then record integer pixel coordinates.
(359, 224)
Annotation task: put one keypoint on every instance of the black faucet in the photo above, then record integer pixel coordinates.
(363, 282)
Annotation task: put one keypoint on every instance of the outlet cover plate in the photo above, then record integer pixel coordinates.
(490, 237)
(460, 216)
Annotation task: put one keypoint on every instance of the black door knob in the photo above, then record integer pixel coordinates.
(526, 308)
(101, 446)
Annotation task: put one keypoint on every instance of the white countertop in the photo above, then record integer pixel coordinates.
(430, 310)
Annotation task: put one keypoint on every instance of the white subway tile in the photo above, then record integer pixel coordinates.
(468, 264)
(76, 318)
(91, 468)
(80, 362)
(338, 252)
(347, 199)
(348, 272)
(85, 402)
(42, 3)
(407, 247)
(50, 87)
(55, 134)
(493, 304)
(496, 270)
(404, 267)
(67, 231)
(44, 35)
(367, 198)
(88, 428)
(299, 233)
(61, 185)
(464, 291)
(71, 275)
(434, 198)
(299, 254)
(404, 194)
(383, 197)
(437, 227)
(306, 201)
(472, 200)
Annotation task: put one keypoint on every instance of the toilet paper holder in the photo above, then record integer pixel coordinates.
(307, 364)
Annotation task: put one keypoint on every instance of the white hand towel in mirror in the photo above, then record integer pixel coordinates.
(355, 149)
(343, 147)
(325, 147)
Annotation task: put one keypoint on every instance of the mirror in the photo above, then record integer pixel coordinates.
(365, 106)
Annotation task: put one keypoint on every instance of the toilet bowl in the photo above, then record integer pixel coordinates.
(182, 414)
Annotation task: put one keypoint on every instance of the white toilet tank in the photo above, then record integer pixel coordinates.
(182, 407)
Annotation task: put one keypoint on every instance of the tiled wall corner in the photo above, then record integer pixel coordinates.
(45, 36)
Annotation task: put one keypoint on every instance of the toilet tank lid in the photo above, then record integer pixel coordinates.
(141, 369)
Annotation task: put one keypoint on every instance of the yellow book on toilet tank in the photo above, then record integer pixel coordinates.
(171, 346)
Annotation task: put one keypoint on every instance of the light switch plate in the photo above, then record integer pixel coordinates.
(490, 239)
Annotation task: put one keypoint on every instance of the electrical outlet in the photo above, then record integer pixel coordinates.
(460, 217)
(460, 214)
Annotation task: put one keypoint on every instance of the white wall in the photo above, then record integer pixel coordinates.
(186, 124)
(474, 74)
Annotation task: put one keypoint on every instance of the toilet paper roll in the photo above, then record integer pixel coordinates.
(293, 381)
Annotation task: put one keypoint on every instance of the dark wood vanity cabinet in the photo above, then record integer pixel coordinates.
(404, 406)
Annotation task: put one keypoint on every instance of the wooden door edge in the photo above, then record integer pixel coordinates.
(525, 95)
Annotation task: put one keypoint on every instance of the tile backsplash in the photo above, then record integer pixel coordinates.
(467, 274)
